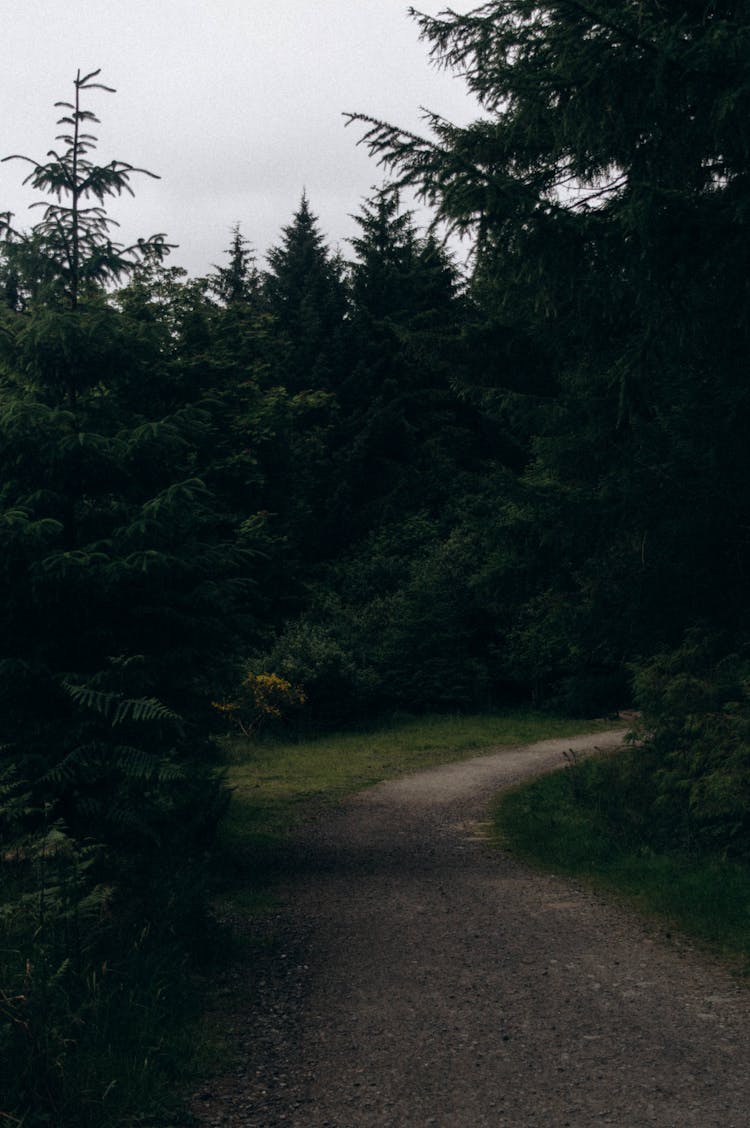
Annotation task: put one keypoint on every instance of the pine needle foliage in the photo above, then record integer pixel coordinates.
(121, 580)
(605, 186)
(70, 248)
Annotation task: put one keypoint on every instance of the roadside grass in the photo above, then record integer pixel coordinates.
(97, 1023)
(276, 783)
(578, 822)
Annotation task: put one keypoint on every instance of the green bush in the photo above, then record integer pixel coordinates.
(396, 625)
(96, 992)
(696, 749)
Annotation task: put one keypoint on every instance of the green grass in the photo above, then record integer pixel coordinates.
(580, 822)
(276, 783)
(91, 1034)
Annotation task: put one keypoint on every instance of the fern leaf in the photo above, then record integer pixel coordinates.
(117, 708)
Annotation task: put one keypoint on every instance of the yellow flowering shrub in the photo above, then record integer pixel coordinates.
(262, 698)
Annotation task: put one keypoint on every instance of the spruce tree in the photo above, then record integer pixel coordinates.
(399, 415)
(238, 282)
(304, 292)
(118, 578)
(392, 620)
(605, 185)
(121, 592)
(70, 253)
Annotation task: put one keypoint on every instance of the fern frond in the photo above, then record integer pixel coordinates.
(117, 708)
(137, 764)
(65, 771)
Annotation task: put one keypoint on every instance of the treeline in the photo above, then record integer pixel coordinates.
(381, 481)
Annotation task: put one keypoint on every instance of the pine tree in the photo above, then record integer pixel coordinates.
(238, 282)
(119, 581)
(304, 291)
(122, 587)
(399, 414)
(392, 620)
(70, 252)
(606, 189)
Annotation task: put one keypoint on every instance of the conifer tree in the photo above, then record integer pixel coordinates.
(398, 411)
(118, 583)
(70, 252)
(606, 188)
(238, 282)
(304, 292)
(121, 584)
(392, 620)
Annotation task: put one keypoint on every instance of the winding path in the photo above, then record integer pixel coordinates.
(420, 977)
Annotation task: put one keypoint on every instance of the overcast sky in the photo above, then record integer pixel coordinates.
(236, 104)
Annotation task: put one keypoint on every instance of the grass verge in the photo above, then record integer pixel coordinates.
(277, 783)
(583, 822)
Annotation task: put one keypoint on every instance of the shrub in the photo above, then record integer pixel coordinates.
(695, 702)
(263, 698)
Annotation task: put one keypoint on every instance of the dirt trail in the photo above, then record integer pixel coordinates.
(420, 977)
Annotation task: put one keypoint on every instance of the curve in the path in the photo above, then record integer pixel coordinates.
(429, 979)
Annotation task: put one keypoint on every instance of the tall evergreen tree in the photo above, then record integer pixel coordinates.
(399, 414)
(606, 186)
(121, 607)
(392, 619)
(70, 252)
(117, 578)
(238, 282)
(304, 291)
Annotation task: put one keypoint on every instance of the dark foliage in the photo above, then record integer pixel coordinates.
(396, 487)
(122, 591)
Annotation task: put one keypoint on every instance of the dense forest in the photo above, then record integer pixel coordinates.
(339, 486)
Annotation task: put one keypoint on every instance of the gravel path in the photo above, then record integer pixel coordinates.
(418, 976)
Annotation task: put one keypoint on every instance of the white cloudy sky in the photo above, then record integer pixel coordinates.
(237, 104)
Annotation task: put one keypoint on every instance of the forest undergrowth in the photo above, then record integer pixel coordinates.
(587, 822)
(352, 484)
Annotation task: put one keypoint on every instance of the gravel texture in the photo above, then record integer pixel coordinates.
(418, 976)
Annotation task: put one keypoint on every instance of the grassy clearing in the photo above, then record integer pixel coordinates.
(277, 783)
(578, 822)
